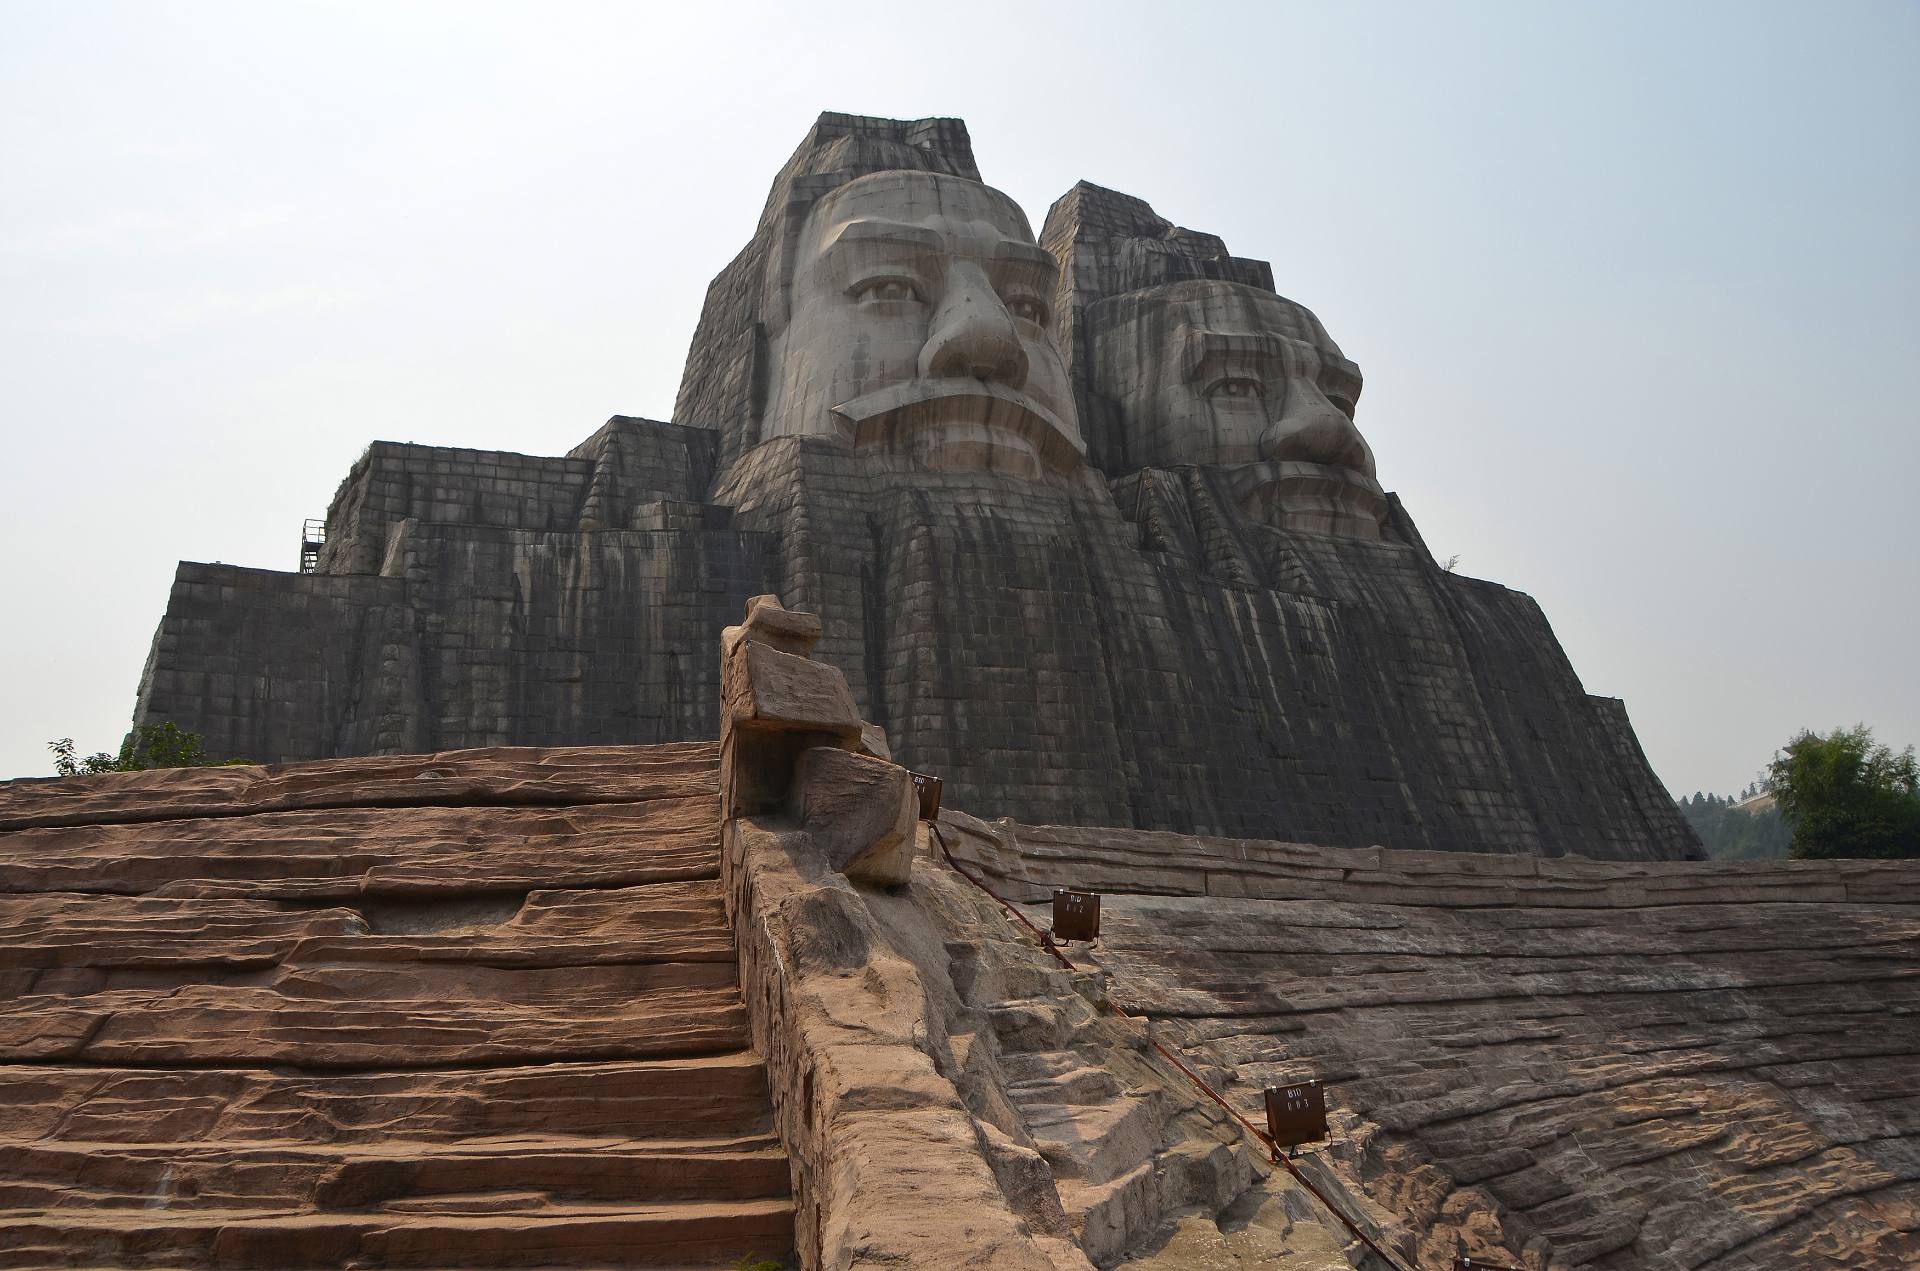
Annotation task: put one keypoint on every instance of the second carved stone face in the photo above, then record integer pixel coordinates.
(1223, 374)
(917, 327)
(1215, 372)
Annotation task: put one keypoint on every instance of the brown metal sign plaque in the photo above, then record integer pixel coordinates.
(1297, 1113)
(928, 791)
(1076, 915)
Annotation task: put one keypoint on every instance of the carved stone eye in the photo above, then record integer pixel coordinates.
(1342, 404)
(881, 289)
(1238, 389)
(1032, 310)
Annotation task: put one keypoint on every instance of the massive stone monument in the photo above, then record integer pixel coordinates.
(1103, 544)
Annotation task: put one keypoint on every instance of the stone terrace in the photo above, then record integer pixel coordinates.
(477, 1009)
(1630, 1066)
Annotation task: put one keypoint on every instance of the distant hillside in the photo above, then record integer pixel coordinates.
(1747, 827)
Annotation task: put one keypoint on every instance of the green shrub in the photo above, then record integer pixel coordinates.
(163, 745)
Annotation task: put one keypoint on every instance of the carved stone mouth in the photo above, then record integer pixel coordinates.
(961, 424)
(1316, 497)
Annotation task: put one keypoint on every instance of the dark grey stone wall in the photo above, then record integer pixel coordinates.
(1044, 649)
(271, 666)
(473, 598)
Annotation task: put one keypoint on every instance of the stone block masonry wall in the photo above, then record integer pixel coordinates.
(601, 484)
(394, 482)
(481, 635)
(534, 636)
(267, 666)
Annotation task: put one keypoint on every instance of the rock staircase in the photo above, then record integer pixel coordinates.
(475, 1009)
(1129, 1146)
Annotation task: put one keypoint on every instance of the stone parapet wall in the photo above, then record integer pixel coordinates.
(393, 482)
(1026, 862)
(601, 484)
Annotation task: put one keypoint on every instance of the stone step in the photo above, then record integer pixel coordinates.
(354, 854)
(1057, 1076)
(1111, 1216)
(417, 1176)
(1026, 1025)
(718, 1096)
(50, 942)
(1093, 1142)
(384, 1016)
(713, 1232)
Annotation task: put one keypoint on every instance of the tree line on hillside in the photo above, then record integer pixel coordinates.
(1736, 834)
(1731, 833)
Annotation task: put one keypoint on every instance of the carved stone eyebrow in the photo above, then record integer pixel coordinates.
(872, 230)
(1206, 350)
(1012, 250)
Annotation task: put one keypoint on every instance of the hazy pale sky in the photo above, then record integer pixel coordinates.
(1636, 287)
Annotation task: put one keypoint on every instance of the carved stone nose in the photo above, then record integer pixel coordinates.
(972, 334)
(1313, 430)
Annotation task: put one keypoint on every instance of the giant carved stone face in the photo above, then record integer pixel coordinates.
(1223, 374)
(917, 328)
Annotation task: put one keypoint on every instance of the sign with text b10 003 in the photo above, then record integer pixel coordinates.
(1297, 1113)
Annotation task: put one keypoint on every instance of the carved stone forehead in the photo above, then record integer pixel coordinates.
(1233, 309)
(951, 207)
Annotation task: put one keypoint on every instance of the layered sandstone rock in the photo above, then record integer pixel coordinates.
(474, 1009)
(1578, 1064)
(482, 1009)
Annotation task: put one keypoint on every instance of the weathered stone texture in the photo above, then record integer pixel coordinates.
(1014, 638)
(474, 1009)
(1250, 641)
(950, 1098)
(517, 608)
(1643, 1066)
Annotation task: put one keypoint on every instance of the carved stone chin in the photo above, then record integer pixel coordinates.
(1315, 497)
(916, 329)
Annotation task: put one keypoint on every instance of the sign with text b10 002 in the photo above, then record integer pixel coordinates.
(927, 790)
(1297, 1113)
(1076, 915)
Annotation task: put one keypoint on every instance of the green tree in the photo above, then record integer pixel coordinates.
(1845, 795)
(163, 745)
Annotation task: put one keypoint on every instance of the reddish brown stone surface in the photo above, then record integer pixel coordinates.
(475, 1009)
